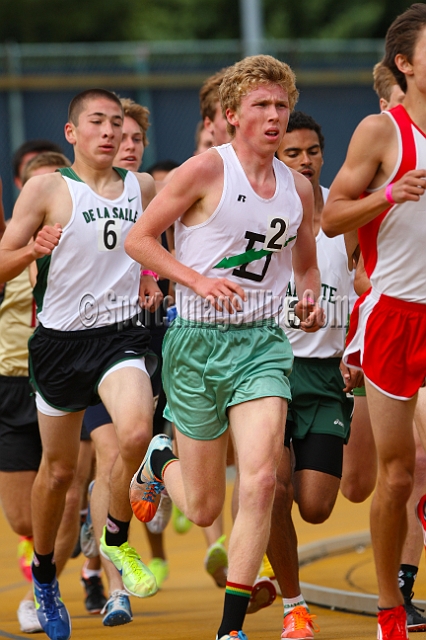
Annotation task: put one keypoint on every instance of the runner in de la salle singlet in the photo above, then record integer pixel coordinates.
(20, 444)
(98, 422)
(89, 343)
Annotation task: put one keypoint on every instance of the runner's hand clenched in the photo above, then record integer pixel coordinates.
(221, 293)
(410, 187)
(46, 240)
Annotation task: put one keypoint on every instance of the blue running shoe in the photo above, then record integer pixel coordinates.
(51, 611)
(233, 635)
(145, 488)
(117, 610)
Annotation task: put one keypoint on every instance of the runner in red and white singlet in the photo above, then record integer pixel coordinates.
(386, 162)
(387, 329)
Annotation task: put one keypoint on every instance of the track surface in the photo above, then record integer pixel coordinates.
(189, 605)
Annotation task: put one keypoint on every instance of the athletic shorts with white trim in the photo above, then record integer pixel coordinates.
(67, 366)
(387, 340)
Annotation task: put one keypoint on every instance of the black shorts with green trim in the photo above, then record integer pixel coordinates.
(67, 366)
(319, 404)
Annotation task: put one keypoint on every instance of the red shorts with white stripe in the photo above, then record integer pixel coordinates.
(387, 340)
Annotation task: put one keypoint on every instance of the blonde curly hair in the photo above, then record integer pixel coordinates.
(248, 74)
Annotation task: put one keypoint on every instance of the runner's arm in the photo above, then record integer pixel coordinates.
(306, 273)
(345, 210)
(17, 250)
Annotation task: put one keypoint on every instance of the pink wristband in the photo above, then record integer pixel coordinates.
(148, 272)
(388, 194)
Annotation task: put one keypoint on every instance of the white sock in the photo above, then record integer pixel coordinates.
(90, 573)
(291, 603)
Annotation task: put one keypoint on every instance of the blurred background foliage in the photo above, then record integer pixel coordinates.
(108, 20)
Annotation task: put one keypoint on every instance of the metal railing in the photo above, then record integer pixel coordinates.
(38, 80)
(174, 64)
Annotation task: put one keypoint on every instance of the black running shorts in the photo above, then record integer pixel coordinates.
(20, 445)
(95, 417)
(67, 366)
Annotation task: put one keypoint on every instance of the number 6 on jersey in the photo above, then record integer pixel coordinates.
(109, 234)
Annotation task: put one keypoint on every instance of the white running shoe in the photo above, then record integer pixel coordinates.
(27, 617)
(145, 488)
(163, 515)
(117, 609)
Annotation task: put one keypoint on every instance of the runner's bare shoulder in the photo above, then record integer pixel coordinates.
(372, 137)
(302, 184)
(198, 172)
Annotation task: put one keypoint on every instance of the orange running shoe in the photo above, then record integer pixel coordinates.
(145, 488)
(25, 556)
(298, 624)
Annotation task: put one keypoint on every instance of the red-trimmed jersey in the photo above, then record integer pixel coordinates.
(387, 333)
(394, 243)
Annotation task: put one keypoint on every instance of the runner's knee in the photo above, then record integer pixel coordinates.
(203, 511)
(257, 488)
(397, 480)
(59, 477)
(133, 444)
(356, 487)
(20, 522)
(104, 463)
(316, 511)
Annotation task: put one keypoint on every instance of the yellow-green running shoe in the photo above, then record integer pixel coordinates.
(137, 578)
(181, 524)
(216, 562)
(160, 569)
